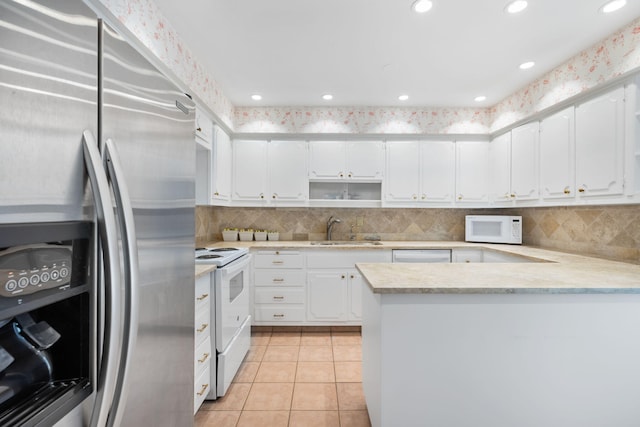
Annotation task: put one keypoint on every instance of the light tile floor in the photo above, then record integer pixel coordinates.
(294, 378)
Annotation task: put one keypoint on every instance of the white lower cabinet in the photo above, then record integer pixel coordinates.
(203, 348)
(310, 287)
(279, 287)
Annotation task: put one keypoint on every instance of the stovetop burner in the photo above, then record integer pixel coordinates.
(209, 256)
(223, 249)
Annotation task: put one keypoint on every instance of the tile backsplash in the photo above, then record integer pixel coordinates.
(606, 231)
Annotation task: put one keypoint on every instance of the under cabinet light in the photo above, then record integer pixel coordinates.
(256, 97)
(516, 6)
(422, 6)
(403, 97)
(527, 65)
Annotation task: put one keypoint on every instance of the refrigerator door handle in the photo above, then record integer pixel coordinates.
(107, 229)
(130, 258)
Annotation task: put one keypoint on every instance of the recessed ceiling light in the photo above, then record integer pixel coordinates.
(527, 65)
(515, 6)
(612, 6)
(422, 6)
(480, 98)
(403, 97)
(327, 97)
(256, 97)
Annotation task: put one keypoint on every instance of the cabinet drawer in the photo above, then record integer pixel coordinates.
(203, 292)
(279, 314)
(202, 357)
(278, 259)
(202, 326)
(279, 296)
(279, 278)
(201, 387)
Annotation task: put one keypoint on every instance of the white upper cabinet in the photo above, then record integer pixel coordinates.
(500, 168)
(438, 165)
(600, 145)
(221, 167)
(249, 171)
(341, 160)
(557, 156)
(420, 172)
(402, 182)
(472, 172)
(269, 172)
(204, 127)
(524, 162)
(514, 165)
(288, 171)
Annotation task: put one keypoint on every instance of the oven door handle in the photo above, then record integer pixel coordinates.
(130, 294)
(107, 230)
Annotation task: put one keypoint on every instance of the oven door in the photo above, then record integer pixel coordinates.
(232, 300)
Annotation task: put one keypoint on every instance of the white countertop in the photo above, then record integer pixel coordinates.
(558, 273)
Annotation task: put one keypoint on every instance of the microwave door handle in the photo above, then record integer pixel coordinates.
(131, 297)
(107, 230)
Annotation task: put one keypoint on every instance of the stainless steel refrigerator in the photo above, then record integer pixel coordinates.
(92, 131)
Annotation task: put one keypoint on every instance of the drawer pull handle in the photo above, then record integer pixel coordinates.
(203, 327)
(278, 297)
(277, 262)
(278, 280)
(203, 389)
(201, 297)
(204, 358)
(279, 316)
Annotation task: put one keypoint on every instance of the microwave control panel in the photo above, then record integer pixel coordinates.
(516, 228)
(31, 269)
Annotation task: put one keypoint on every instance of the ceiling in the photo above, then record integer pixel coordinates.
(368, 52)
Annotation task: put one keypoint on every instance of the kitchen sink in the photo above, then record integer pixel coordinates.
(344, 243)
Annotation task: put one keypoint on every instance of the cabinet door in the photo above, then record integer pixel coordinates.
(355, 296)
(500, 168)
(524, 161)
(327, 160)
(288, 171)
(437, 171)
(326, 295)
(557, 158)
(365, 160)
(472, 169)
(221, 166)
(249, 170)
(204, 127)
(402, 183)
(600, 145)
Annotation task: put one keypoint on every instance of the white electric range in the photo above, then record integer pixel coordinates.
(230, 315)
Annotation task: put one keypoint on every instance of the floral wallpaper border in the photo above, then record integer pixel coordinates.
(614, 56)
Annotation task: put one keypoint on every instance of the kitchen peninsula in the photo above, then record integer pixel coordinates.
(551, 343)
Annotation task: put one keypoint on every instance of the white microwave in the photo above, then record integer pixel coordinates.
(493, 229)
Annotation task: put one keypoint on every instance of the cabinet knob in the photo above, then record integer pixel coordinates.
(204, 358)
(567, 191)
(201, 297)
(216, 194)
(199, 129)
(202, 328)
(352, 276)
(415, 197)
(513, 196)
(341, 175)
(273, 196)
(460, 197)
(581, 190)
(344, 277)
(277, 252)
(424, 196)
(262, 196)
(349, 175)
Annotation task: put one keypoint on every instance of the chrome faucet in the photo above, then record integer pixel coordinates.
(330, 225)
